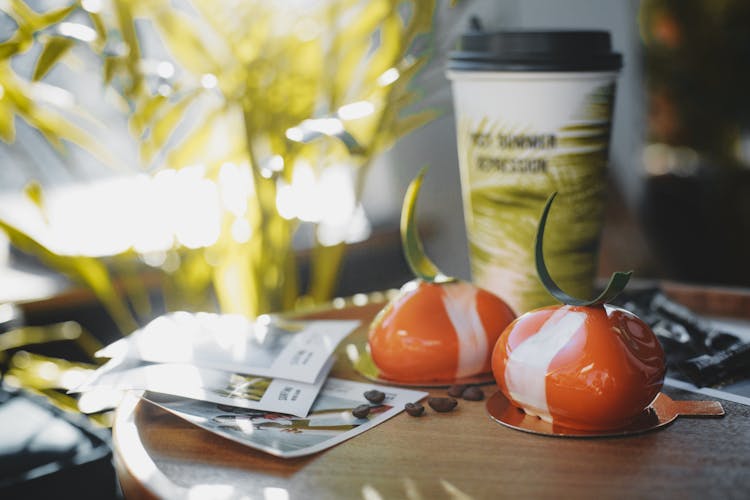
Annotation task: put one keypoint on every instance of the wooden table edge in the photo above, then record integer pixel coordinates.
(139, 476)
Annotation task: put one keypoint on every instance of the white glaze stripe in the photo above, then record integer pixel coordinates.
(460, 300)
(528, 364)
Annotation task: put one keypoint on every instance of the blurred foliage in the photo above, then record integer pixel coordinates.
(52, 377)
(260, 86)
(694, 53)
(695, 204)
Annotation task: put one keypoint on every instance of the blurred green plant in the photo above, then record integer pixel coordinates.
(697, 93)
(258, 90)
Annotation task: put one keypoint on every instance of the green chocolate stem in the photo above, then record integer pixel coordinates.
(422, 267)
(616, 284)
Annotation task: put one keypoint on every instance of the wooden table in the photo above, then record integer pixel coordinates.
(457, 455)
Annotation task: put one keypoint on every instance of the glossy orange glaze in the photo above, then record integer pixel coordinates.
(496, 315)
(609, 370)
(414, 339)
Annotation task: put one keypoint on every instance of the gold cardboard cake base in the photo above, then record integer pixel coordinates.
(663, 411)
(361, 360)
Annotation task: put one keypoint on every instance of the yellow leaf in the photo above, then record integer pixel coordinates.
(346, 69)
(421, 20)
(192, 280)
(180, 34)
(126, 26)
(326, 265)
(33, 191)
(99, 27)
(110, 68)
(194, 147)
(21, 13)
(7, 122)
(364, 24)
(10, 48)
(144, 113)
(53, 16)
(53, 50)
(390, 48)
(237, 287)
(86, 270)
(56, 128)
(164, 126)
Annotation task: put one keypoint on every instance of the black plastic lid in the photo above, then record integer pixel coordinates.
(534, 51)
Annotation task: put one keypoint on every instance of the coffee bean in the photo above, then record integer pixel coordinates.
(473, 393)
(414, 409)
(375, 396)
(361, 411)
(455, 391)
(442, 404)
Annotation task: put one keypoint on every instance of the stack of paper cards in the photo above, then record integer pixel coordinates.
(272, 364)
(329, 422)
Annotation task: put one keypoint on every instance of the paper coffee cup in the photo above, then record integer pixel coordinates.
(533, 115)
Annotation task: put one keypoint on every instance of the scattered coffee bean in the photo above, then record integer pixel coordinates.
(442, 404)
(375, 396)
(473, 393)
(361, 411)
(414, 409)
(455, 391)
